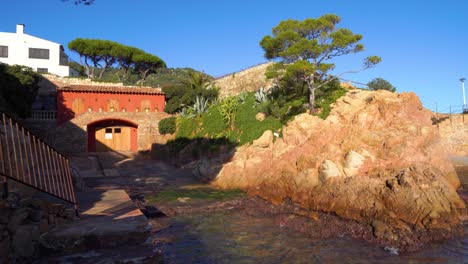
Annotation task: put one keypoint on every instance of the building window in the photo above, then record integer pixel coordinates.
(38, 53)
(42, 70)
(3, 51)
(117, 130)
(63, 57)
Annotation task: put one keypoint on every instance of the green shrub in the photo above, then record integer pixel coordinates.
(186, 127)
(167, 126)
(327, 95)
(228, 108)
(247, 127)
(213, 123)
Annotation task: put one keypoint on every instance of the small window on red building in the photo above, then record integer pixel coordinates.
(117, 130)
(108, 130)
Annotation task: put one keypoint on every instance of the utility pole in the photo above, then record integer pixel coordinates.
(462, 80)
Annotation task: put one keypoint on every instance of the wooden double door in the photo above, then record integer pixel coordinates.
(116, 138)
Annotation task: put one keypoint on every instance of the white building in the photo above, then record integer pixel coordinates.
(42, 55)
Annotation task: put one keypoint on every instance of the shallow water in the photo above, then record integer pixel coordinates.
(237, 238)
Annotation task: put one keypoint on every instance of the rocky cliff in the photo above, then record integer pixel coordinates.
(377, 159)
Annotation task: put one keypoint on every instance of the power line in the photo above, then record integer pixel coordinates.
(346, 80)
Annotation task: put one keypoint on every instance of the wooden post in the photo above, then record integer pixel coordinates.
(5, 188)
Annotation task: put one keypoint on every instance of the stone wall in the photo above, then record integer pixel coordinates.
(72, 137)
(454, 133)
(43, 129)
(63, 81)
(248, 80)
(23, 220)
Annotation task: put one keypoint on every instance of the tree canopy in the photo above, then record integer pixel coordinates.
(103, 54)
(18, 88)
(304, 51)
(381, 84)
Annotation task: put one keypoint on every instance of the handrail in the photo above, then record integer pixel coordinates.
(43, 115)
(27, 159)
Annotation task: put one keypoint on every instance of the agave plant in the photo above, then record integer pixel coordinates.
(242, 97)
(201, 105)
(261, 96)
(187, 112)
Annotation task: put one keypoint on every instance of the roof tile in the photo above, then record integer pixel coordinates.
(111, 89)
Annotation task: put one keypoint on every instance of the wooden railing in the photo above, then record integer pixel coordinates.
(26, 159)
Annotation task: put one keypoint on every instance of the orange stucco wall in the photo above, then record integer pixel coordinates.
(95, 101)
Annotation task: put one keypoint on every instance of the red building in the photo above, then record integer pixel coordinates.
(116, 133)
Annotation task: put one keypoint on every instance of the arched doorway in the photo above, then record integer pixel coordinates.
(112, 135)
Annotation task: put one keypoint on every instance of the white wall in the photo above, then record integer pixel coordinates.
(18, 51)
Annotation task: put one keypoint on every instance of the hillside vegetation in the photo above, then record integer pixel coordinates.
(209, 126)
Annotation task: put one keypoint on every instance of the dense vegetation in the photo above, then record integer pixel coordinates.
(167, 125)
(185, 93)
(18, 88)
(242, 127)
(232, 121)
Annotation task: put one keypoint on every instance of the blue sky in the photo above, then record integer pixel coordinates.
(423, 44)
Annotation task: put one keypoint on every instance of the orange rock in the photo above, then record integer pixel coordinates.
(401, 172)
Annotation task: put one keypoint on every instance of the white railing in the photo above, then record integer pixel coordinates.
(43, 115)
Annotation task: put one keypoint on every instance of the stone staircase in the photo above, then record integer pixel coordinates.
(111, 227)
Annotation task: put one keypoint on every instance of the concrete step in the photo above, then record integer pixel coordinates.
(108, 219)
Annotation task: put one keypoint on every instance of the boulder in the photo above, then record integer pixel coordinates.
(18, 218)
(43, 225)
(328, 169)
(5, 215)
(353, 162)
(453, 179)
(300, 129)
(5, 249)
(260, 116)
(207, 169)
(264, 141)
(23, 241)
(307, 179)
